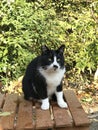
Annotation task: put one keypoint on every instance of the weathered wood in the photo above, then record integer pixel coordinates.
(1, 99)
(78, 114)
(1, 103)
(24, 116)
(74, 128)
(10, 105)
(43, 118)
(80, 128)
(1, 127)
(61, 117)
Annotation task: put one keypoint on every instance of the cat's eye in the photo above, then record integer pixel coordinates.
(58, 59)
(49, 59)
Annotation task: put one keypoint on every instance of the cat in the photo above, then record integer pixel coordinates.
(43, 77)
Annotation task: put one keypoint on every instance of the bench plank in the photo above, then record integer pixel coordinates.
(61, 117)
(24, 117)
(78, 114)
(74, 128)
(43, 118)
(1, 99)
(1, 103)
(9, 106)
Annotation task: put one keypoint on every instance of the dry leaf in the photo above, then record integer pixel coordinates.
(5, 113)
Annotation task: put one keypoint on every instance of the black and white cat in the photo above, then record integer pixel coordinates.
(43, 77)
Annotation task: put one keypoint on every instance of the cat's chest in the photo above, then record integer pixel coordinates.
(53, 80)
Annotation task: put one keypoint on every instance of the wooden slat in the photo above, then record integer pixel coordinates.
(1, 85)
(78, 114)
(1, 99)
(1, 127)
(79, 128)
(74, 128)
(10, 105)
(43, 119)
(62, 117)
(24, 117)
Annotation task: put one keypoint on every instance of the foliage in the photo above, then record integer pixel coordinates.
(23, 30)
(27, 25)
(81, 32)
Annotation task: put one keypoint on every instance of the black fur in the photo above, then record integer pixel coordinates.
(34, 83)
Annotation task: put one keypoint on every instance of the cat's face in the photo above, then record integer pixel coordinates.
(52, 60)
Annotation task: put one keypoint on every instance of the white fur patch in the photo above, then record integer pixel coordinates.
(60, 100)
(45, 104)
(53, 77)
(53, 80)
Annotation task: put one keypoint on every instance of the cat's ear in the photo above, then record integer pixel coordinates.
(61, 49)
(44, 49)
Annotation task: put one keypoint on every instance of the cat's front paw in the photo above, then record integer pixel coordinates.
(45, 106)
(63, 104)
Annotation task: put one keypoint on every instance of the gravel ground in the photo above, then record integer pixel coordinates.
(94, 126)
(94, 121)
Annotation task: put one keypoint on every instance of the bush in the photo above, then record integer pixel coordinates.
(27, 25)
(81, 33)
(23, 30)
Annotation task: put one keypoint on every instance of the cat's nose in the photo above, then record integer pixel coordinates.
(55, 66)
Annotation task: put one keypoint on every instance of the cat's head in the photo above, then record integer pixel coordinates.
(52, 60)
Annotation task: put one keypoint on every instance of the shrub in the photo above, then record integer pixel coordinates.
(23, 30)
(27, 25)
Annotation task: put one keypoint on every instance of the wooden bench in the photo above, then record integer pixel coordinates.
(26, 115)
